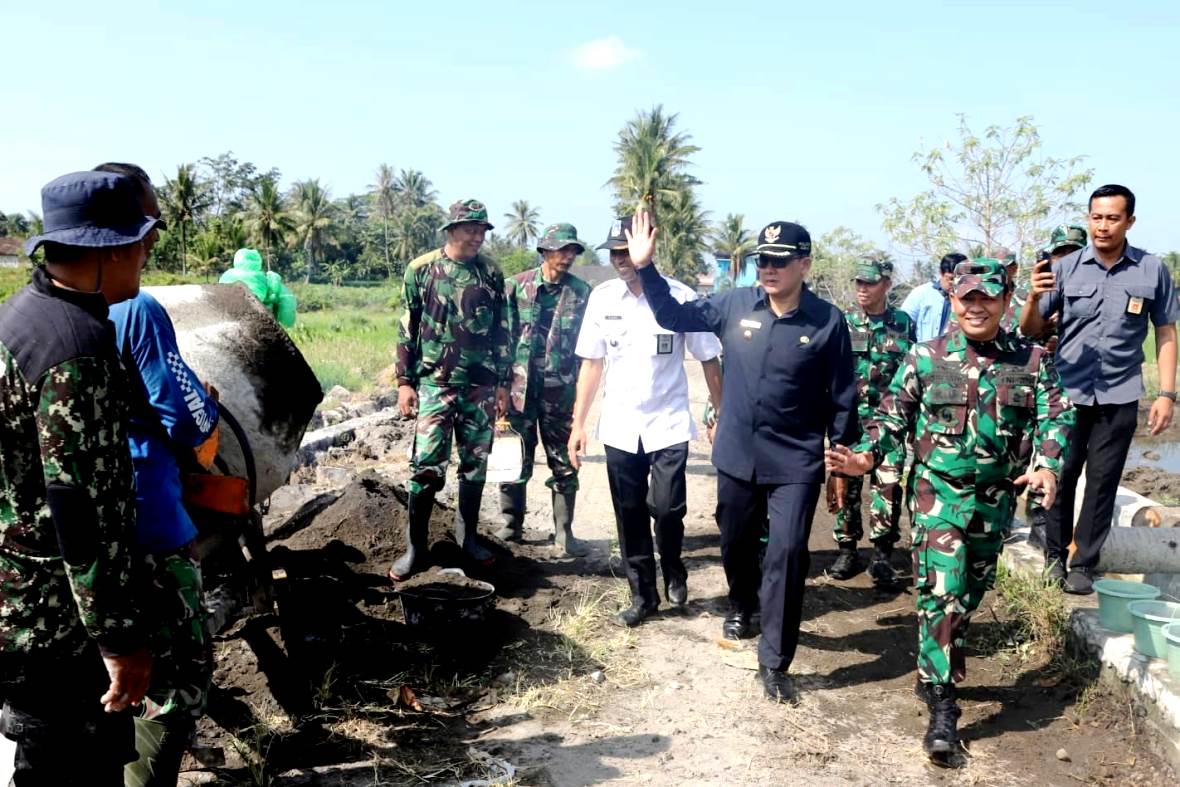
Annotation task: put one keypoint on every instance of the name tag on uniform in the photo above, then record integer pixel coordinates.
(612, 316)
(751, 324)
(663, 344)
(1134, 305)
(860, 342)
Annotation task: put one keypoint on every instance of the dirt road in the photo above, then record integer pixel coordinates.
(335, 689)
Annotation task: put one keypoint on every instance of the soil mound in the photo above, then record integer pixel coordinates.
(1160, 485)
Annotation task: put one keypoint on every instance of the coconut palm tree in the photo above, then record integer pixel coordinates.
(524, 222)
(683, 237)
(384, 195)
(731, 239)
(413, 189)
(267, 218)
(314, 220)
(185, 197)
(652, 159)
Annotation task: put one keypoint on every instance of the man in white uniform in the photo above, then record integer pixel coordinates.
(645, 424)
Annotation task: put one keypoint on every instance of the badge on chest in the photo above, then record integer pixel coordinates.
(748, 328)
(1134, 305)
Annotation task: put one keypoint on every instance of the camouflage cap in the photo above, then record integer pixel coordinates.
(872, 271)
(558, 236)
(467, 211)
(1067, 235)
(1004, 255)
(985, 274)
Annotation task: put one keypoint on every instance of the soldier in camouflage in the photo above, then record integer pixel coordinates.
(69, 596)
(545, 310)
(881, 336)
(980, 405)
(452, 351)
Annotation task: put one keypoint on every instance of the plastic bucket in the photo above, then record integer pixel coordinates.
(1171, 633)
(1113, 597)
(1149, 619)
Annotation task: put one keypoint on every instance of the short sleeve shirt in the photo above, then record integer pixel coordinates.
(1103, 322)
(645, 396)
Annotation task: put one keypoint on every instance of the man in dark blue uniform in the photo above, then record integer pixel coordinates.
(788, 381)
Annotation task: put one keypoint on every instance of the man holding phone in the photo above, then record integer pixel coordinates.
(1103, 296)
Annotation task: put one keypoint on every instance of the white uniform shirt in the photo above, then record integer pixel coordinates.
(646, 391)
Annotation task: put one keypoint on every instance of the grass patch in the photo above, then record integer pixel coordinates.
(347, 347)
(556, 671)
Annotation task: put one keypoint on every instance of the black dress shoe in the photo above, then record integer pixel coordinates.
(676, 591)
(635, 614)
(1080, 582)
(736, 625)
(778, 685)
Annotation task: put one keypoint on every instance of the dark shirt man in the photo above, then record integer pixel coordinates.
(1104, 295)
(788, 382)
(67, 499)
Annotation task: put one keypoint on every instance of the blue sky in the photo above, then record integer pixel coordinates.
(800, 112)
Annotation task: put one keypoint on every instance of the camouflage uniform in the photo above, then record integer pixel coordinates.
(978, 412)
(545, 369)
(878, 345)
(453, 348)
(67, 520)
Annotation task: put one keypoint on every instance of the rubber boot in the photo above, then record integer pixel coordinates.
(563, 524)
(416, 533)
(512, 505)
(161, 744)
(467, 521)
(942, 734)
(881, 567)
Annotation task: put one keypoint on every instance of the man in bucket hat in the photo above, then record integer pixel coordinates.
(788, 384)
(71, 628)
(645, 423)
(545, 310)
(452, 353)
(881, 335)
(979, 405)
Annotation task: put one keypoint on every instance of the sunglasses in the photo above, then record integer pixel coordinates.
(778, 263)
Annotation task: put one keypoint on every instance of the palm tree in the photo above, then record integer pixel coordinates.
(205, 256)
(267, 218)
(683, 237)
(384, 201)
(731, 239)
(313, 220)
(185, 197)
(523, 223)
(652, 159)
(413, 189)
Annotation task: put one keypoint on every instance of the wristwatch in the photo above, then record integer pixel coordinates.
(1167, 395)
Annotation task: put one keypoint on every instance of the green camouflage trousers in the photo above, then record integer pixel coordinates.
(467, 411)
(885, 499)
(953, 569)
(551, 414)
(182, 651)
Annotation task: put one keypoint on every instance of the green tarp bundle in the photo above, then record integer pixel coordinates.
(267, 286)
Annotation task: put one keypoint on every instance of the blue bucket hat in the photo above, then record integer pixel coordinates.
(92, 210)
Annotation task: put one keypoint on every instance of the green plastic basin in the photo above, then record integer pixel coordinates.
(1171, 633)
(1113, 597)
(1149, 619)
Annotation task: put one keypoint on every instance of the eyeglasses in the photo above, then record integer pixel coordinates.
(769, 261)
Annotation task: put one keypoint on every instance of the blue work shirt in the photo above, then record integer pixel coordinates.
(929, 308)
(1103, 321)
(787, 382)
(184, 417)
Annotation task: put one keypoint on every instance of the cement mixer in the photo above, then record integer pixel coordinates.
(268, 395)
(232, 341)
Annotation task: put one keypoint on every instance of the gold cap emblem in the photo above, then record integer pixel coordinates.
(772, 233)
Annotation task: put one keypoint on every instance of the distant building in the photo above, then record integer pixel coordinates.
(10, 252)
(593, 274)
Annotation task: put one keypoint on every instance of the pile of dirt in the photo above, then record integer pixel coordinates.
(384, 440)
(445, 582)
(1160, 485)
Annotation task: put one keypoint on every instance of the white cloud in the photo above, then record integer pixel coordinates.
(603, 53)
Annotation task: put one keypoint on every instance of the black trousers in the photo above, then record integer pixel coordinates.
(638, 502)
(776, 586)
(1100, 442)
(62, 734)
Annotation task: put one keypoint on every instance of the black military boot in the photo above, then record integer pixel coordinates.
(847, 564)
(942, 735)
(563, 524)
(635, 614)
(415, 532)
(512, 506)
(881, 567)
(467, 520)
